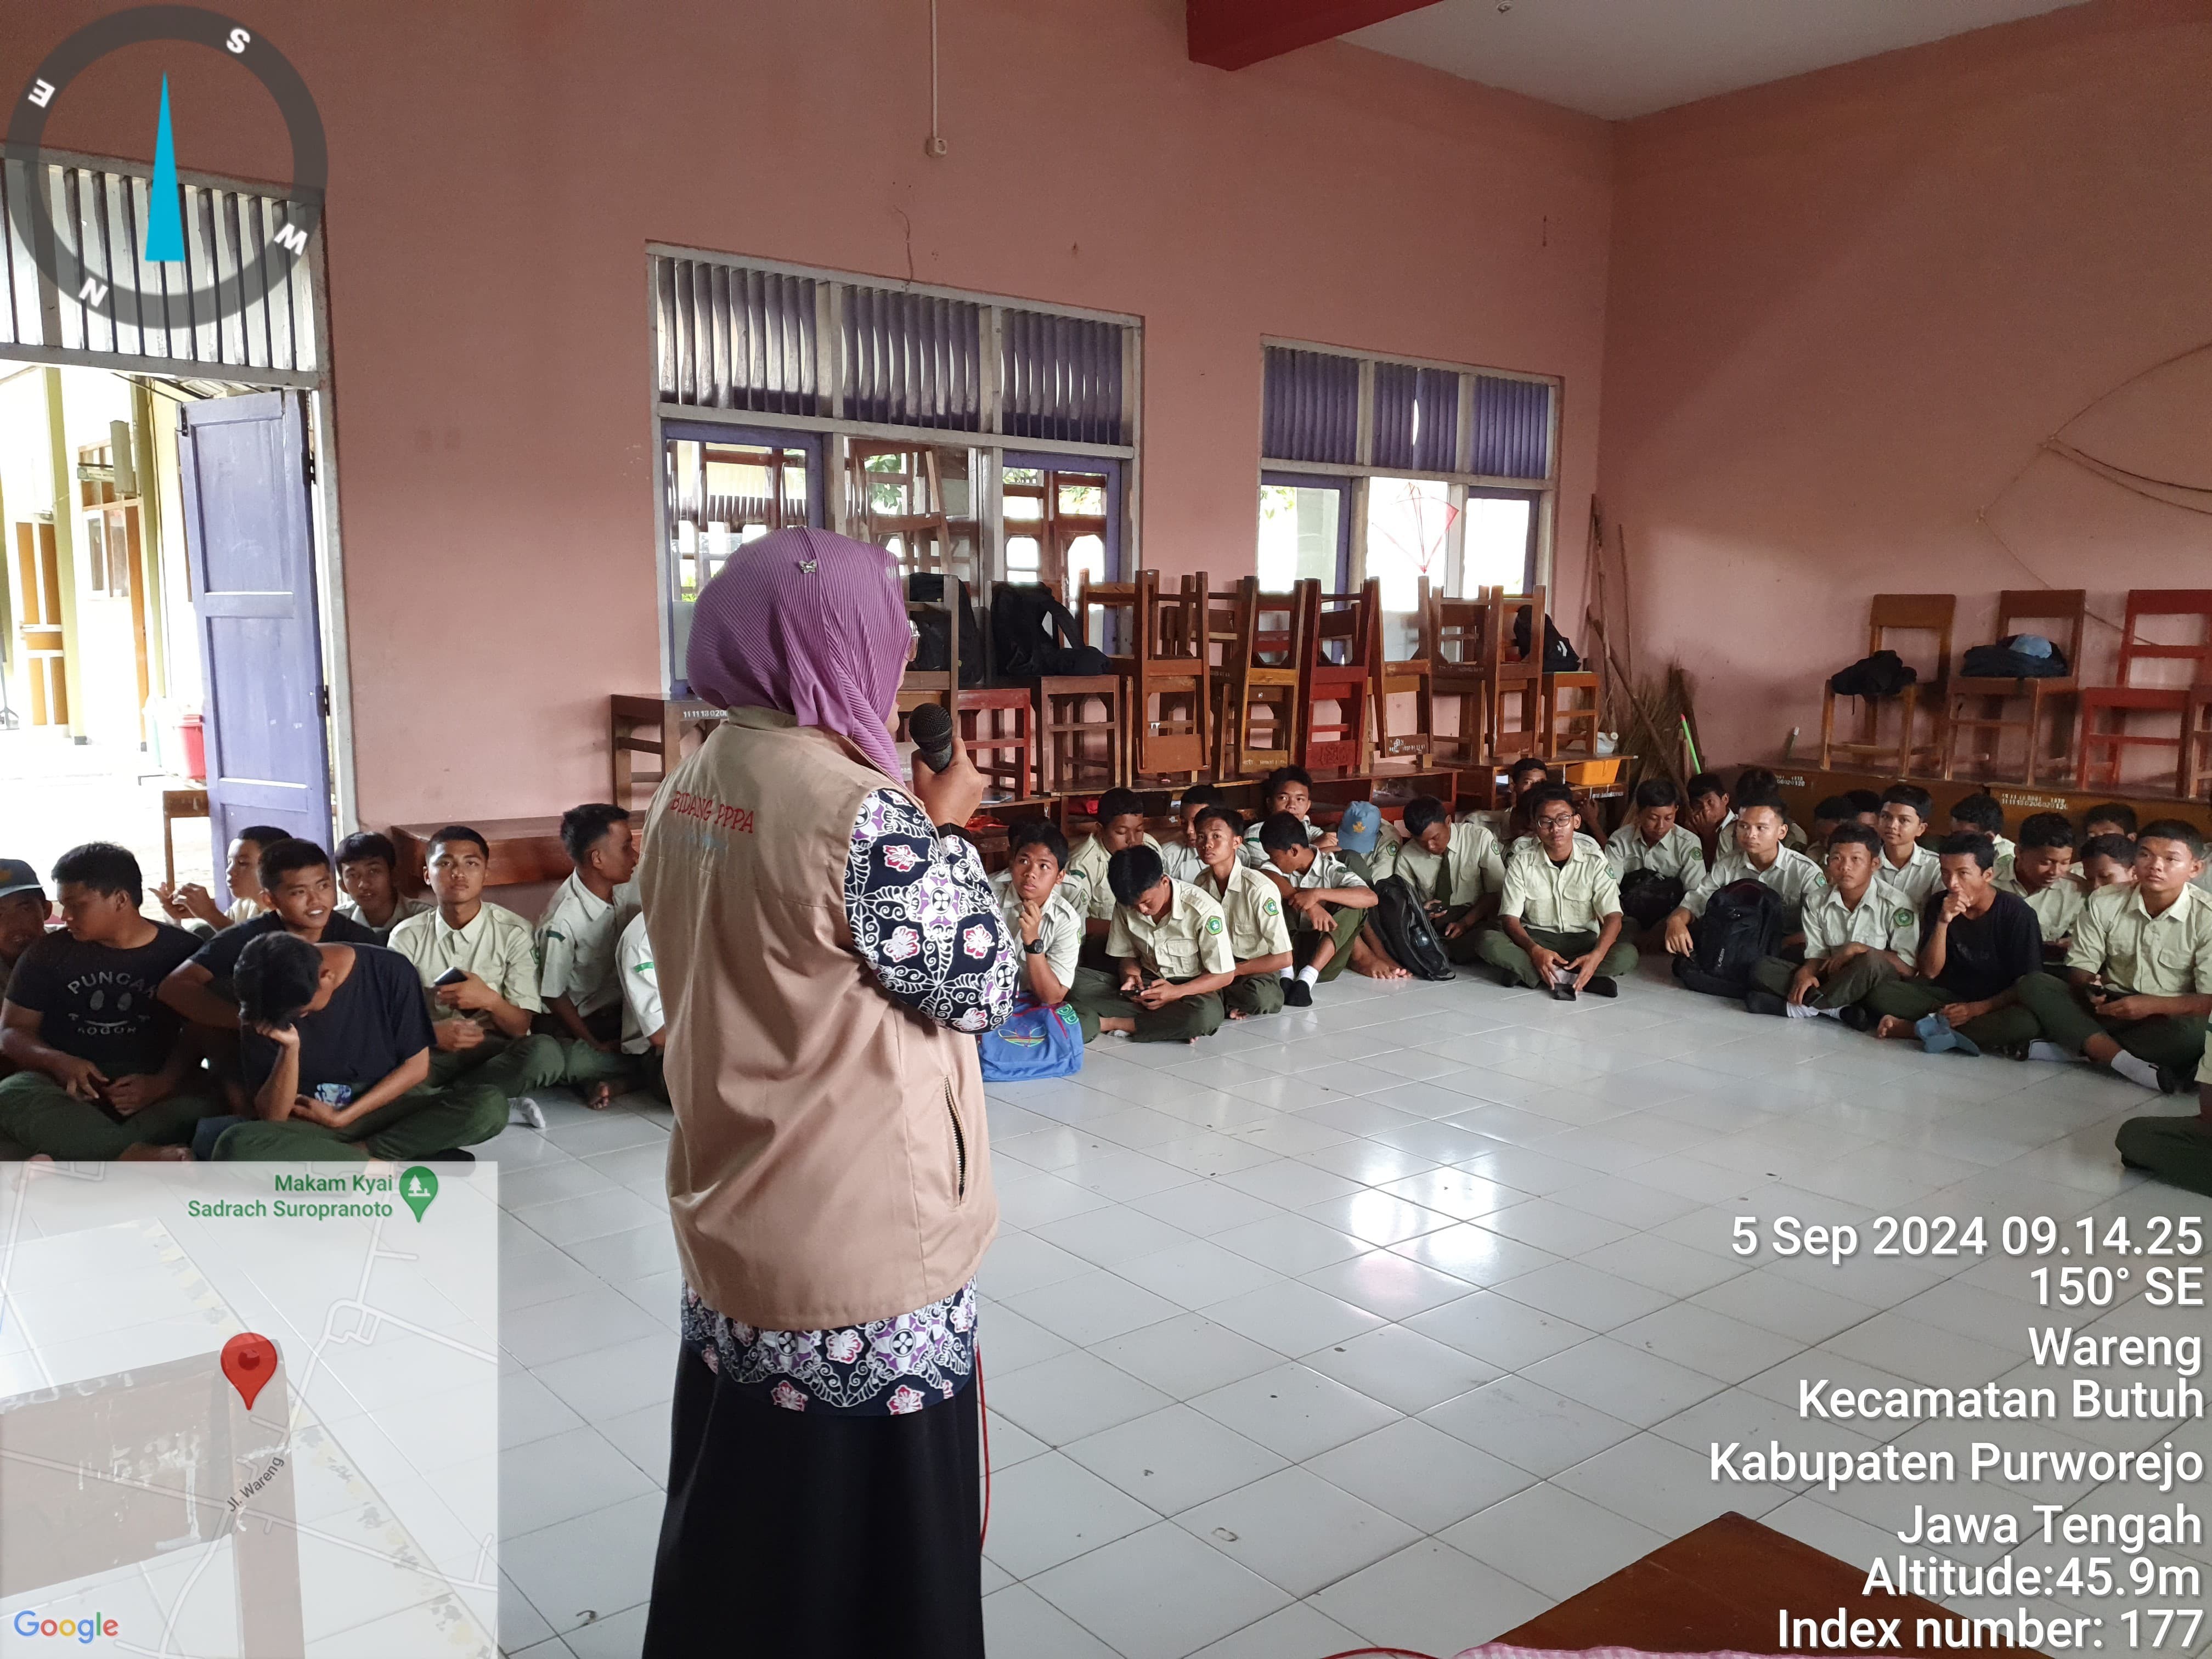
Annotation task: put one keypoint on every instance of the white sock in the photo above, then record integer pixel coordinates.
(1286, 973)
(2039, 1049)
(2135, 1069)
(1825, 1013)
(1310, 974)
(1799, 1010)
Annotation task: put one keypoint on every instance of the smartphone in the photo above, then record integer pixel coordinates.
(451, 976)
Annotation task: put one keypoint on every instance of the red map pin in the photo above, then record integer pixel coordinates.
(249, 1361)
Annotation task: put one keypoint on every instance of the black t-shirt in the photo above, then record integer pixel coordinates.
(1985, 954)
(219, 956)
(373, 1022)
(98, 1003)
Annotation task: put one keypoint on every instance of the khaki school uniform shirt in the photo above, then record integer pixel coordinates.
(1679, 854)
(1919, 877)
(1328, 870)
(2168, 955)
(2057, 907)
(1084, 884)
(1187, 938)
(1254, 910)
(1256, 855)
(1472, 865)
(404, 908)
(1796, 877)
(641, 987)
(576, 939)
(243, 910)
(1574, 897)
(495, 947)
(1060, 927)
(1882, 921)
(1181, 862)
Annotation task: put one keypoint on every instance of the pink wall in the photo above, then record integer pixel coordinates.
(1847, 310)
(498, 167)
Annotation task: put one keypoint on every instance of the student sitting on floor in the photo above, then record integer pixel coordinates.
(1558, 922)
(1259, 936)
(2107, 861)
(1707, 814)
(1181, 856)
(192, 906)
(334, 1041)
(1759, 783)
(1978, 948)
(1830, 815)
(1121, 821)
(299, 896)
(1286, 789)
(1507, 821)
(1456, 870)
(1653, 840)
(107, 1070)
(1034, 903)
(2111, 817)
(1170, 948)
(645, 1028)
(2176, 1150)
(1857, 934)
(2140, 968)
(1328, 904)
(1979, 814)
(23, 912)
(480, 972)
(1756, 854)
(368, 874)
(2038, 872)
(576, 940)
(1905, 864)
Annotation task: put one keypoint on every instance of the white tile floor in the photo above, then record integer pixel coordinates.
(1393, 1321)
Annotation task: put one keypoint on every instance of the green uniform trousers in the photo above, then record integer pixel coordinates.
(1096, 996)
(1253, 993)
(1494, 947)
(2172, 1042)
(514, 1065)
(42, 1116)
(423, 1120)
(1849, 984)
(1304, 941)
(2177, 1150)
(1914, 999)
(581, 1064)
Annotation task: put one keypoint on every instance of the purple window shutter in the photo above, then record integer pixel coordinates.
(1310, 407)
(734, 337)
(1062, 378)
(1397, 387)
(1512, 427)
(1437, 448)
(913, 358)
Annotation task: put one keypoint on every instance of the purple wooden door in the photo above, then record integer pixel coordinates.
(251, 548)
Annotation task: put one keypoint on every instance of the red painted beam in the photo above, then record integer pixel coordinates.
(1234, 34)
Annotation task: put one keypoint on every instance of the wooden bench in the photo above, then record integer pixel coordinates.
(523, 851)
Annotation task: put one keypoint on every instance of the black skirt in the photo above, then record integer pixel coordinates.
(834, 1537)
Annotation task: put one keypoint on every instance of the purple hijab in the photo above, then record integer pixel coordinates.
(809, 623)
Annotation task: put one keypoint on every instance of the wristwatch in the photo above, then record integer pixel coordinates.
(1032, 947)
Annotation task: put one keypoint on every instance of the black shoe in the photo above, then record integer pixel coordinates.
(1508, 979)
(1858, 1018)
(451, 1155)
(1297, 994)
(1764, 1002)
(1603, 985)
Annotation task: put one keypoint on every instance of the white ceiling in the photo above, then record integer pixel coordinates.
(1619, 59)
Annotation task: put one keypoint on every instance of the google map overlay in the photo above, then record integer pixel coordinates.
(249, 1409)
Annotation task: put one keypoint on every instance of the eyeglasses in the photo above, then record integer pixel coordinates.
(1555, 821)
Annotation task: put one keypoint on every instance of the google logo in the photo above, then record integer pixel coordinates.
(29, 1623)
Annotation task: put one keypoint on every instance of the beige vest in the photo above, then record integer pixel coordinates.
(828, 1164)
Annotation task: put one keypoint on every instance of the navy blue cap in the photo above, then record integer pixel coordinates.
(17, 876)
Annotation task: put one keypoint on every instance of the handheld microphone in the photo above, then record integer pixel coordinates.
(931, 728)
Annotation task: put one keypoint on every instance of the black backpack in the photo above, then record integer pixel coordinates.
(2005, 661)
(1647, 898)
(1882, 675)
(1402, 924)
(933, 655)
(1559, 656)
(1742, 924)
(1027, 625)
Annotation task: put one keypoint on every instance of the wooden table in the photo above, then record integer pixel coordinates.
(652, 725)
(176, 804)
(1720, 1587)
(522, 850)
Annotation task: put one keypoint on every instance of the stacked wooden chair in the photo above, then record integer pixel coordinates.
(1335, 681)
(1411, 677)
(1978, 719)
(1257, 638)
(2113, 715)
(1890, 616)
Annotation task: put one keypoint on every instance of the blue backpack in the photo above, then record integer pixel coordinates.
(1036, 1042)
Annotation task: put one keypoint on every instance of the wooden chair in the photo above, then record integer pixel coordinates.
(2103, 749)
(1164, 672)
(1336, 671)
(1452, 632)
(1898, 613)
(1079, 749)
(654, 727)
(1574, 710)
(1977, 703)
(998, 725)
(918, 686)
(1258, 636)
(1410, 678)
(1514, 675)
(2197, 743)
